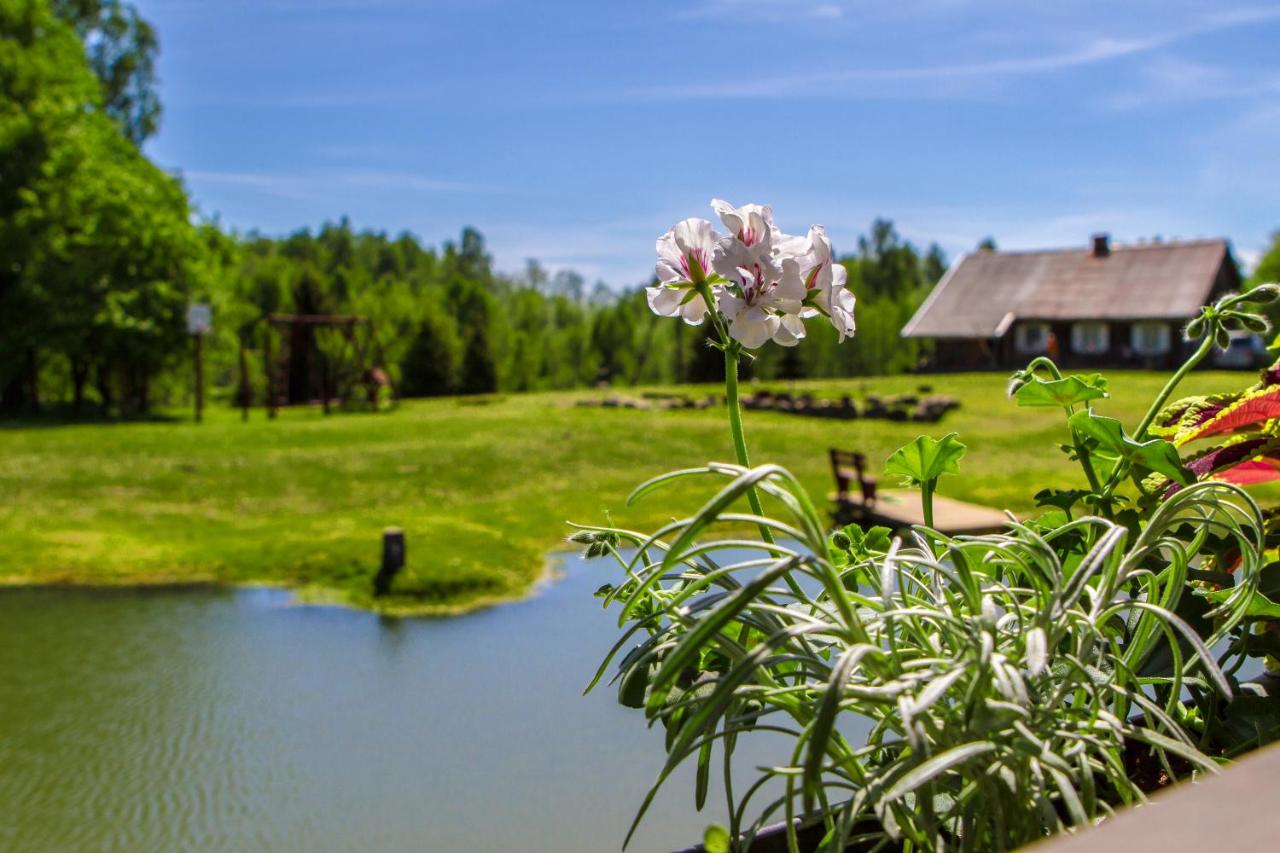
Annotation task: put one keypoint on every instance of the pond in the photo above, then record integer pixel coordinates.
(233, 719)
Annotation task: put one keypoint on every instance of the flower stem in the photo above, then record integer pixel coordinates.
(1196, 357)
(735, 427)
(1157, 404)
(1082, 452)
(926, 500)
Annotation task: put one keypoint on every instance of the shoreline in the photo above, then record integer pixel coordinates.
(303, 596)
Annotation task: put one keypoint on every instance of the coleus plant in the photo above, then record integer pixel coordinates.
(1231, 437)
(1007, 686)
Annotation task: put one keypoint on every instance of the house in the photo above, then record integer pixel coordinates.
(1103, 305)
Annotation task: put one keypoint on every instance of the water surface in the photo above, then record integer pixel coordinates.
(233, 720)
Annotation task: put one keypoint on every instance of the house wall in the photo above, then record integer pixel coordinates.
(954, 354)
(1119, 351)
(982, 354)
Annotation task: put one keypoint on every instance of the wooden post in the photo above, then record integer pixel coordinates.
(199, 356)
(393, 558)
(270, 371)
(243, 388)
(324, 380)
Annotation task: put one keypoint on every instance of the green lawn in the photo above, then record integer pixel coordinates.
(482, 487)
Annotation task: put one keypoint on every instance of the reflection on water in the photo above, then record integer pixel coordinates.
(231, 721)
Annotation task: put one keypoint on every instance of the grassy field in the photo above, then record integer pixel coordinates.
(482, 487)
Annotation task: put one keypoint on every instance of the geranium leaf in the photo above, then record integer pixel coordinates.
(1155, 454)
(1061, 393)
(926, 458)
(1063, 499)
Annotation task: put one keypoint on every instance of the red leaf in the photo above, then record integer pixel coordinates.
(1253, 408)
(1264, 469)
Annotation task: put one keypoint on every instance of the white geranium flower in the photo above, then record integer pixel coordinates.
(763, 281)
(749, 243)
(685, 253)
(825, 283)
(838, 302)
(762, 308)
(751, 225)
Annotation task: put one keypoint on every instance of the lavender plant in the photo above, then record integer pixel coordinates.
(1014, 684)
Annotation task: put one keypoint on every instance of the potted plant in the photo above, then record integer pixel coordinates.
(1015, 684)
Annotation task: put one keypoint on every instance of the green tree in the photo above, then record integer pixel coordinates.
(121, 48)
(433, 363)
(934, 265)
(47, 91)
(1268, 268)
(479, 367)
(96, 244)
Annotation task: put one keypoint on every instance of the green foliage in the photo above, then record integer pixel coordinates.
(479, 369)
(1062, 393)
(926, 459)
(716, 839)
(1268, 268)
(433, 363)
(1013, 684)
(982, 666)
(851, 544)
(1153, 455)
(97, 246)
(121, 48)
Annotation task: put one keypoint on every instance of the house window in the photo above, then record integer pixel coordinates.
(1031, 337)
(1150, 338)
(1090, 338)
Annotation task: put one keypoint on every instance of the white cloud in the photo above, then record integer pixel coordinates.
(1166, 80)
(1088, 51)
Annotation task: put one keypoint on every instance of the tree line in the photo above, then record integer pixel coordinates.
(101, 253)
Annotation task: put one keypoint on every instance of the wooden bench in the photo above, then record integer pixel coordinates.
(858, 500)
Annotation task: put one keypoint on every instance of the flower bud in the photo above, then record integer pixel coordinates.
(1264, 294)
(1256, 324)
(1016, 381)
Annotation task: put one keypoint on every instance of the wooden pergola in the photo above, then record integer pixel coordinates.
(298, 371)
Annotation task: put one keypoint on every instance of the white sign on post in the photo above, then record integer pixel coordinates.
(199, 318)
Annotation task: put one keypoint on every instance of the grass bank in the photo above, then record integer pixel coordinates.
(482, 487)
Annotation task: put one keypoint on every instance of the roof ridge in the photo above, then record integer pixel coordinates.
(1115, 247)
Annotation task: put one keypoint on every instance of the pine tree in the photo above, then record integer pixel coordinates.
(431, 366)
(479, 367)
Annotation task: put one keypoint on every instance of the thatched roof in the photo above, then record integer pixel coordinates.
(985, 292)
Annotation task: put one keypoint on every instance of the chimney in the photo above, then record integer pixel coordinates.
(1101, 245)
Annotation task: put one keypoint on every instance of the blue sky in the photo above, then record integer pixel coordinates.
(576, 132)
